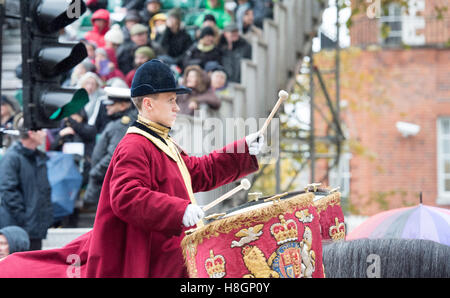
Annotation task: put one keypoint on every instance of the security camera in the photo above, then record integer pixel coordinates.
(407, 129)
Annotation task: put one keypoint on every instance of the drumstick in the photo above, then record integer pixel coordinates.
(282, 96)
(245, 184)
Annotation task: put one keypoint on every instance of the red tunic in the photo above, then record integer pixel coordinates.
(138, 226)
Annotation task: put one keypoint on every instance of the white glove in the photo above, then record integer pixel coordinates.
(254, 144)
(192, 215)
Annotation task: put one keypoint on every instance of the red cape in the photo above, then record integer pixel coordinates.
(138, 226)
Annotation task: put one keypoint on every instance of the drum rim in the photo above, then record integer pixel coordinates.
(320, 191)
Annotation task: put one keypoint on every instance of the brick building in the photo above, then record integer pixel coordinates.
(387, 79)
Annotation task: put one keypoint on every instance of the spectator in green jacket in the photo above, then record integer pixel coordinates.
(217, 9)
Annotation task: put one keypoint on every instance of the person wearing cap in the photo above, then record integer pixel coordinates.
(24, 187)
(175, 40)
(131, 18)
(234, 48)
(145, 203)
(100, 23)
(147, 198)
(212, 66)
(141, 55)
(139, 37)
(122, 113)
(209, 21)
(13, 239)
(203, 51)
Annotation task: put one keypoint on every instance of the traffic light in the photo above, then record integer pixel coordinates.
(45, 60)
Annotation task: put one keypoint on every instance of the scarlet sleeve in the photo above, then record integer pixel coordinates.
(221, 166)
(133, 198)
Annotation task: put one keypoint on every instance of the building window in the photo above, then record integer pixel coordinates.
(443, 159)
(403, 26)
(391, 25)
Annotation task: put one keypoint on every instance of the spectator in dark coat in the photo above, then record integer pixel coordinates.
(234, 48)
(203, 51)
(139, 37)
(13, 239)
(151, 8)
(24, 187)
(123, 113)
(175, 40)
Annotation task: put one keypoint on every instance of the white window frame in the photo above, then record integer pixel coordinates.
(443, 196)
(409, 24)
(392, 17)
(342, 173)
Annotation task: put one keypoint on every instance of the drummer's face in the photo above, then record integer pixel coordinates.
(162, 108)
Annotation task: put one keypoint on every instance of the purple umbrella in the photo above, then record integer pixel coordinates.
(418, 222)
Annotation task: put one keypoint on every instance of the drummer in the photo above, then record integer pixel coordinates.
(147, 196)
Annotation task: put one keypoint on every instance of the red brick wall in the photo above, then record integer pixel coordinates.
(382, 87)
(366, 31)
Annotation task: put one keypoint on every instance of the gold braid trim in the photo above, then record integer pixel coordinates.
(160, 129)
(330, 200)
(246, 220)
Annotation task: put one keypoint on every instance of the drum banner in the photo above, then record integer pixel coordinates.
(279, 240)
(331, 217)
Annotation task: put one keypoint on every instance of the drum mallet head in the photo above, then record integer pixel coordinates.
(282, 96)
(245, 184)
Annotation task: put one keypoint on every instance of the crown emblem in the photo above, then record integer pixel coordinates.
(337, 232)
(284, 231)
(215, 265)
(304, 216)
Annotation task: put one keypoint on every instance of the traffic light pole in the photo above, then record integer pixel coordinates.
(2, 18)
(45, 60)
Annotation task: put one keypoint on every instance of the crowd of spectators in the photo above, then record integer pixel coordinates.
(203, 46)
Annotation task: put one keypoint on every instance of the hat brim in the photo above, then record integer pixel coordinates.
(147, 89)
